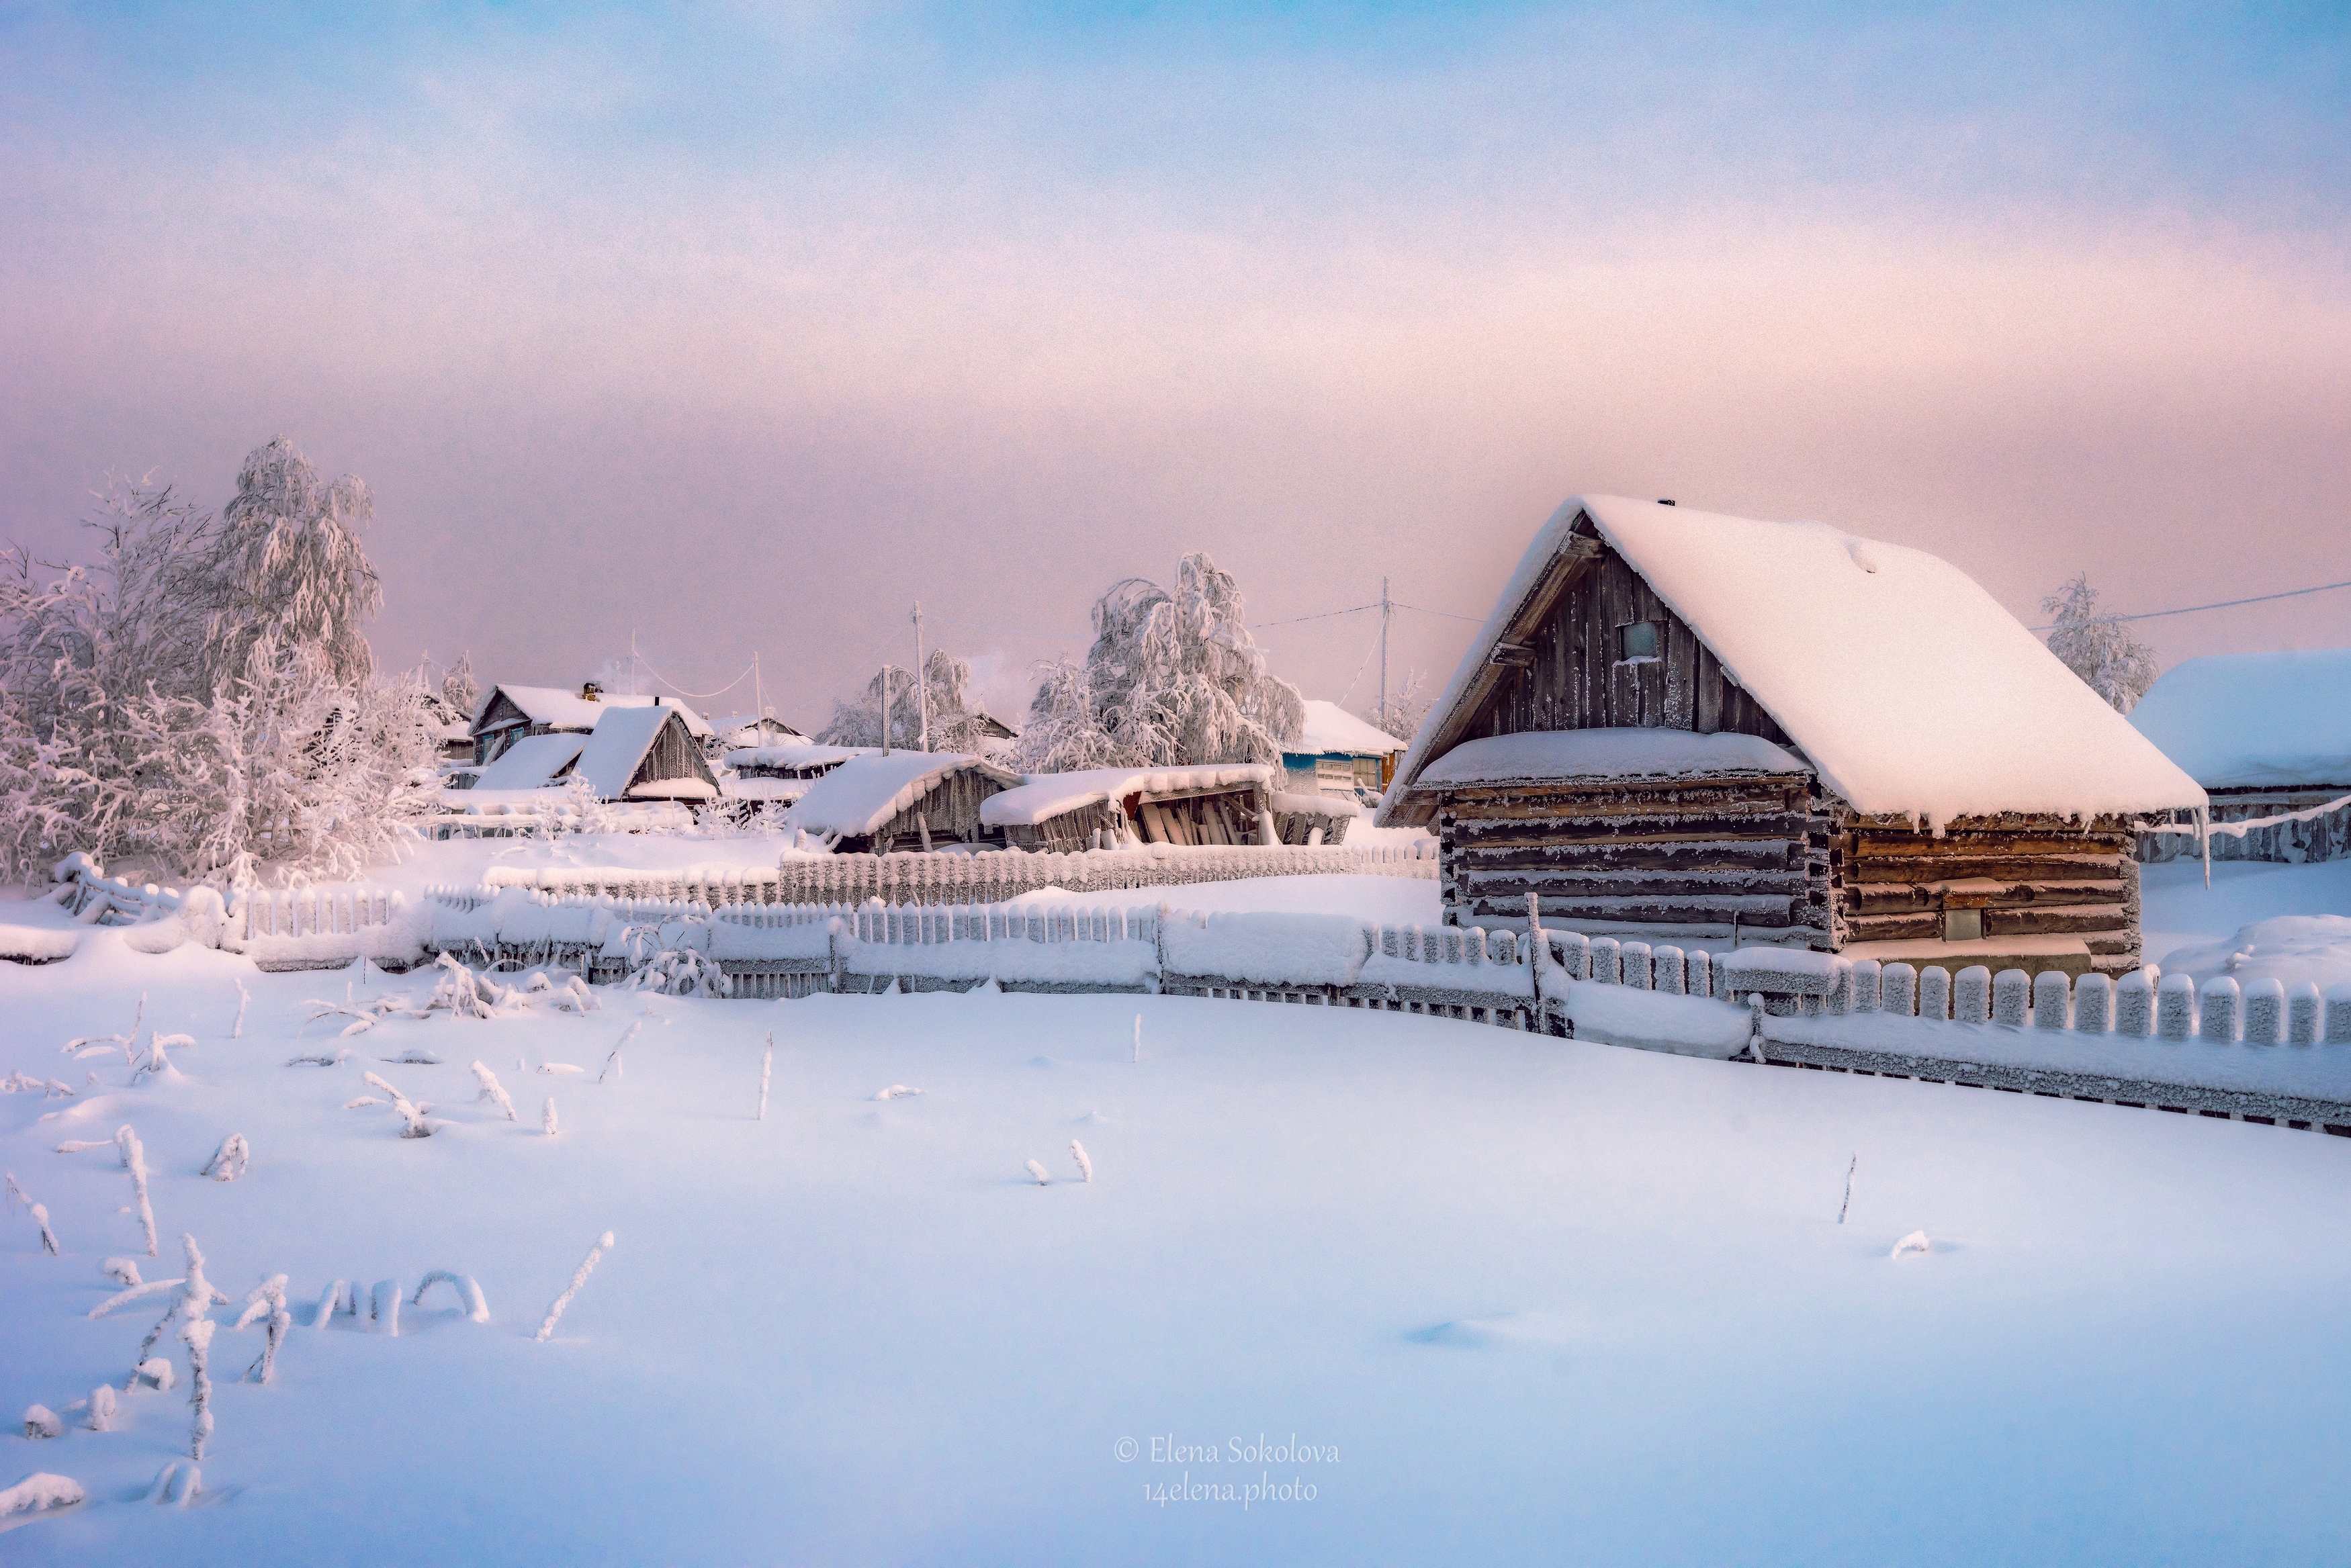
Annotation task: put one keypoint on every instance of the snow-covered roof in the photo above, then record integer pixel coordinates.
(1332, 730)
(1048, 796)
(808, 754)
(533, 761)
(564, 710)
(729, 726)
(867, 791)
(765, 788)
(621, 739)
(1608, 754)
(1905, 685)
(2240, 720)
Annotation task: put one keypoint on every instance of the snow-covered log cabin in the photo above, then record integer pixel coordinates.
(1687, 726)
(510, 713)
(2267, 735)
(1101, 807)
(880, 802)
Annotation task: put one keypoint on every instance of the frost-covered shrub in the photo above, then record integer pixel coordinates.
(39, 1490)
(2265, 1013)
(101, 1408)
(383, 1308)
(546, 1119)
(176, 1485)
(134, 1160)
(1914, 1242)
(412, 1115)
(121, 1271)
(767, 1066)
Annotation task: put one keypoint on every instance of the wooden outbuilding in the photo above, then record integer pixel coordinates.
(885, 802)
(1105, 807)
(1338, 753)
(1709, 730)
(2269, 737)
(511, 714)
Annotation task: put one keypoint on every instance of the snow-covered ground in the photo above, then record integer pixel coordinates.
(1518, 1299)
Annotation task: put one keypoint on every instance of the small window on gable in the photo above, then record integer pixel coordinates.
(1639, 639)
(1962, 925)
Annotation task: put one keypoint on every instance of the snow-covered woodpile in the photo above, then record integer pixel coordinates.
(2269, 737)
(1682, 724)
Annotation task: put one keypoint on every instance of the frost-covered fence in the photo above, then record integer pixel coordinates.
(505, 817)
(263, 912)
(993, 876)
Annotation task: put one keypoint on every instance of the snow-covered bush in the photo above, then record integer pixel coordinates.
(2098, 647)
(40, 1421)
(1173, 679)
(40, 1490)
(229, 1162)
(121, 1271)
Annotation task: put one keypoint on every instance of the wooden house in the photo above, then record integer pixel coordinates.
(1338, 753)
(741, 732)
(799, 760)
(646, 754)
(511, 714)
(1105, 807)
(2269, 736)
(1713, 730)
(883, 801)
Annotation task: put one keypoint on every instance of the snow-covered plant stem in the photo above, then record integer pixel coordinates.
(1138, 1037)
(410, 1112)
(197, 1334)
(190, 1303)
(579, 1277)
(1038, 1171)
(767, 1066)
(1842, 1208)
(267, 1300)
(229, 1163)
(492, 1090)
(1085, 1166)
(547, 1122)
(469, 1293)
(236, 1031)
(134, 1160)
(40, 1215)
(613, 1062)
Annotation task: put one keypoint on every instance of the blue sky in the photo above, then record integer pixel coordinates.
(743, 327)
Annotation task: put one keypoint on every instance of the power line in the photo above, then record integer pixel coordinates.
(1325, 615)
(1448, 615)
(2222, 603)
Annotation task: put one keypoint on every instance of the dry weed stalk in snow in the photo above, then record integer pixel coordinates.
(134, 1160)
(410, 1113)
(320, 1059)
(1038, 1171)
(78, 1145)
(1914, 1242)
(101, 1408)
(547, 1122)
(1085, 1166)
(156, 1063)
(897, 1091)
(93, 1044)
(40, 1215)
(492, 1090)
(237, 1030)
(230, 1161)
(40, 1421)
(25, 1083)
(121, 1271)
(468, 1293)
(767, 1066)
(579, 1277)
(267, 1300)
(1846, 1206)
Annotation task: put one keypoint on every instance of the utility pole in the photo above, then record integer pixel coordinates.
(885, 709)
(922, 687)
(1387, 608)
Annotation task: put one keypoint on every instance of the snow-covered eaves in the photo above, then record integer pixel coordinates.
(1536, 755)
(807, 754)
(1331, 732)
(1907, 687)
(561, 709)
(1045, 796)
(534, 761)
(2253, 721)
(865, 792)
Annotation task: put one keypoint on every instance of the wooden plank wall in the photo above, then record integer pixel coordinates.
(674, 754)
(1578, 684)
(1694, 858)
(951, 807)
(1073, 830)
(2030, 875)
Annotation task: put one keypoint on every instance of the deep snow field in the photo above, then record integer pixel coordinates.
(1524, 1300)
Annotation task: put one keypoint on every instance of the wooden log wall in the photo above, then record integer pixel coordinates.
(1577, 682)
(2032, 876)
(674, 754)
(1692, 859)
(950, 808)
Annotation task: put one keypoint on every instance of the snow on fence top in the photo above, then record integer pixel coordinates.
(1908, 688)
(1607, 754)
(533, 761)
(865, 792)
(1048, 796)
(2245, 721)
(1332, 730)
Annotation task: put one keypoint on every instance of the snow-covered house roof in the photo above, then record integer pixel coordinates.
(555, 708)
(1331, 732)
(1902, 684)
(799, 757)
(734, 730)
(534, 761)
(612, 760)
(2248, 721)
(1048, 796)
(867, 791)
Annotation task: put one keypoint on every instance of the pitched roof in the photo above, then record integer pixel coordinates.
(532, 763)
(865, 792)
(2242, 721)
(621, 738)
(1048, 796)
(566, 710)
(1938, 705)
(1332, 730)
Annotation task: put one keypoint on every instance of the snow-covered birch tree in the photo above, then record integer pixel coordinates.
(2098, 647)
(1173, 679)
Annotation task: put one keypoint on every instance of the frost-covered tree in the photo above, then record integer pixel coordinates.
(1173, 679)
(200, 696)
(1404, 711)
(459, 689)
(2097, 648)
(946, 682)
